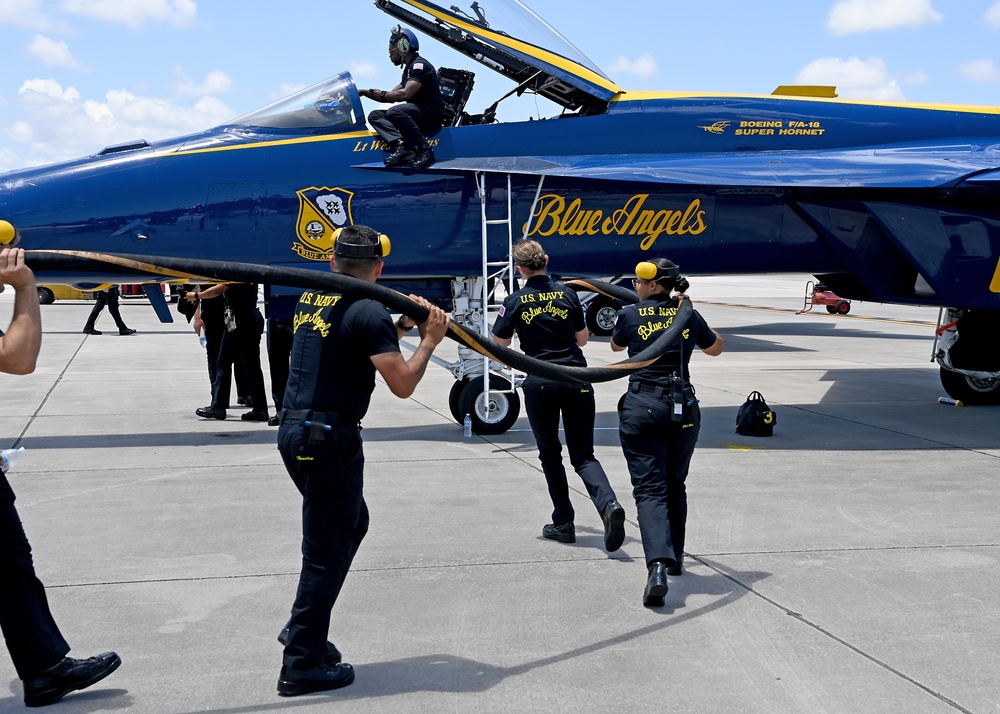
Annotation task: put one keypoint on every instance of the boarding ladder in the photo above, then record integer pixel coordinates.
(482, 293)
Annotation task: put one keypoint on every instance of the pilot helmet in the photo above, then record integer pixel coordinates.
(403, 39)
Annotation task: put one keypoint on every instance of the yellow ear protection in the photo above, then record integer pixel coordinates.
(370, 251)
(652, 271)
(7, 233)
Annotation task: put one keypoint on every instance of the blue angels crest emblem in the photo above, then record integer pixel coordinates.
(321, 212)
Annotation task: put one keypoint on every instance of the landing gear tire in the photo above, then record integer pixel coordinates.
(489, 416)
(974, 392)
(602, 313)
(45, 296)
(454, 399)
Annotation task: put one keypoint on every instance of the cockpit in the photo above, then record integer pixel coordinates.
(332, 105)
(503, 35)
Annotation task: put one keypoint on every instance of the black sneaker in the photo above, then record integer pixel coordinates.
(126, 331)
(293, 682)
(91, 331)
(564, 533)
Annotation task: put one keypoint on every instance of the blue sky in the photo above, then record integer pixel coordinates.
(79, 75)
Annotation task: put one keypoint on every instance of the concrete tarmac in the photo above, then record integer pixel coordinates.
(847, 564)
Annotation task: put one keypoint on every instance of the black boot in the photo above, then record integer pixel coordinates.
(69, 675)
(424, 157)
(656, 585)
(400, 155)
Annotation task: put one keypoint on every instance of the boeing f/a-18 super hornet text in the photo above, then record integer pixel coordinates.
(895, 203)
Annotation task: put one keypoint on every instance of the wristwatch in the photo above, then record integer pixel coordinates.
(401, 326)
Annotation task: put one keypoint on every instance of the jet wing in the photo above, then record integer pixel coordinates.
(870, 168)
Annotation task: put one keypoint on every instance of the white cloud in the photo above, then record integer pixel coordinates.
(48, 88)
(980, 71)
(135, 13)
(363, 69)
(848, 17)
(54, 53)
(992, 16)
(853, 77)
(58, 124)
(28, 14)
(284, 90)
(644, 66)
(216, 82)
(917, 77)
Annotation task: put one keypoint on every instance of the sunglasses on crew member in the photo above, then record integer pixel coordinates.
(637, 281)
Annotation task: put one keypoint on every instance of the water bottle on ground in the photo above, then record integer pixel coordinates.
(9, 457)
(467, 426)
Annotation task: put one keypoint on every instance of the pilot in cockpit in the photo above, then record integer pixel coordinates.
(418, 103)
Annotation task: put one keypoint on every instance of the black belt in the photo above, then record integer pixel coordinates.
(664, 391)
(317, 421)
(657, 390)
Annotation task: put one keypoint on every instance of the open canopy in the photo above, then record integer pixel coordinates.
(508, 37)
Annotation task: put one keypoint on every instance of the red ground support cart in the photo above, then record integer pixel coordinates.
(819, 294)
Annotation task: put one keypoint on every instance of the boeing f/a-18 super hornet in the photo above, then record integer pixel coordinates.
(894, 203)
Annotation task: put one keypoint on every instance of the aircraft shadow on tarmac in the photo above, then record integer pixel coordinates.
(450, 673)
(755, 338)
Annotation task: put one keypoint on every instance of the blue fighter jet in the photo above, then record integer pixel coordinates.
(886, 202)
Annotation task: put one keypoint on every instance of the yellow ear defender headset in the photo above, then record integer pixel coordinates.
(653, 272)
(7, 233)
(370, 251)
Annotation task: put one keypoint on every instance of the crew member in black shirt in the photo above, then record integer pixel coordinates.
(240, 342)
(550, 325)
(339, 344)
(33, 639)
(402, 127)
(659, 418)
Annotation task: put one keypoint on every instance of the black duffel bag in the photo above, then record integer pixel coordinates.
(755, 418)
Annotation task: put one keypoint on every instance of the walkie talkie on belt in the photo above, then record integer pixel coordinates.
(677, 398)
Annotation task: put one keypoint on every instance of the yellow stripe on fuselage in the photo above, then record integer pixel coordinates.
(644, 96)
(277, 142)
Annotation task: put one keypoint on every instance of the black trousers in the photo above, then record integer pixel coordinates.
(215, 330)
(279, 349)
(330, 476)
(408, 122)
(241, 346)
(33, 639)
(107, 299)
(544, 403)
(658, 451)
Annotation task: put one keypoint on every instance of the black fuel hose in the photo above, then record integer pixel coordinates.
(617, 292)
(200, 271)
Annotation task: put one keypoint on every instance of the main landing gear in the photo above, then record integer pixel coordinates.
(493, 409)
(966, 350)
